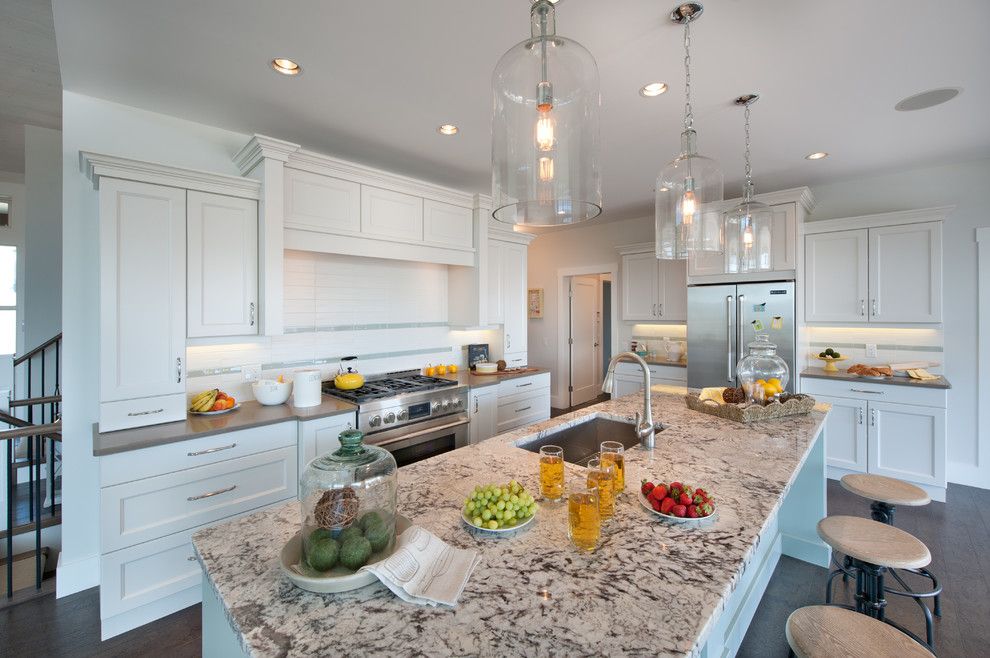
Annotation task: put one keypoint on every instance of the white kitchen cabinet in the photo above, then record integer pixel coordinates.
(319, 437)
(496, 285)
(321, 203)
(653, 290)
(837, 281)
(623, 385)
(907, 442)
(391, 215)
(484, 413)
(785, 243)
(906, 273)
(142, 304)
(222, 289)
(515, 316)
(447, 224)
(522, 401)
(846, 433)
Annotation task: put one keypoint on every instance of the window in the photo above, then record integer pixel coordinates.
(8, 300)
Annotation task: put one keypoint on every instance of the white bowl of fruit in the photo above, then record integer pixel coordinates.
(677, 502)
(499, 508)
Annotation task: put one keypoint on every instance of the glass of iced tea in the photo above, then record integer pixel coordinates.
(584, 521)
(552, 472)
(613, 452)
(601, 476)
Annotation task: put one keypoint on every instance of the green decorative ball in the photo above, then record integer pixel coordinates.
(355, 552)
(323, 553)
(377, 535)
(349, 533)
(369, 519)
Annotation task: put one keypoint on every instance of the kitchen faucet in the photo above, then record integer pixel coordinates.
(645, 429)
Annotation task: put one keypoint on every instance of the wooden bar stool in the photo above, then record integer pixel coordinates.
(824, 631)
(872, 549)
(886, 494)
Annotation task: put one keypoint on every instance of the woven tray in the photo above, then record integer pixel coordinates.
(751, 412)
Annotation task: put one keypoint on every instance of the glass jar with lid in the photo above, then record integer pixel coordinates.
(348, 507)
(762, 374)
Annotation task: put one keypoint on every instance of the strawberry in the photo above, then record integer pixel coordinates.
(684, 499)
(679, 510)
(655, 503)
(692, 512)
(698, 498)
(678, 485)
(689, 490)
(701, 492)
(659, 492)
(675, 490)
(705, 509)
(666, 504)
(647, 488)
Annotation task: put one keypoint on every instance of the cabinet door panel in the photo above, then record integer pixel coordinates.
(907, 442)
(906, 273)
(321, 203)
(672, 305)
(484, 413)
(318, 437)
(784, 245)
(515, 311)
(142, 290)
(640, 286)
(222, 234)
(845, 433)
(836, 288)
(496, 299)
(706, 263)
(390, 214)
(446, 224)
(626, 385)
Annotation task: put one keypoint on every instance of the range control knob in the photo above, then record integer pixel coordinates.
(390, 417)
(435, 407)
(402, 414)
(375, 421)
(457, 402)
(445, 405)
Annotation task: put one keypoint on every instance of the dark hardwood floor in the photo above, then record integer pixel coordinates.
(958, 535)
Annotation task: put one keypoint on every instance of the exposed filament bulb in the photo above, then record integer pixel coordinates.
(545, 139)
(689, 206)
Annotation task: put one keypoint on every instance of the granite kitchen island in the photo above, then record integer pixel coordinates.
(651, 588)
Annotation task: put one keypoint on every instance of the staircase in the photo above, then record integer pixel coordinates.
(31, 444)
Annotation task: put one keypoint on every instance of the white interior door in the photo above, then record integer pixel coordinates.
(584, 340)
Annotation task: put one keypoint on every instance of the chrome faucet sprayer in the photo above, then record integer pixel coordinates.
(645, 429)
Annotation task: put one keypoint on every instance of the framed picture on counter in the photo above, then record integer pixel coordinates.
(535, 303)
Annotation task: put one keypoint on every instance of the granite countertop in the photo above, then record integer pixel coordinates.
(468, 378)
(897, 380)
(248, 415)
(532, 593)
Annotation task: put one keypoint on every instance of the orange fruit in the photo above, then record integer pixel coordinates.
(430, 371)
(452, 369)
(441, 370)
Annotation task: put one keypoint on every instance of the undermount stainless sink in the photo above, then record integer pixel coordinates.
(582, 442)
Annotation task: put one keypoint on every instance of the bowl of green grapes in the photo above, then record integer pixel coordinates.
(499, 507)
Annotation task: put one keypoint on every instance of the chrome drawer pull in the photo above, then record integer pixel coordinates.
(863, 390)
(210, 450)
(252, 314)
(178, 370)
(526, 384)
(145, 413)
(524, 409)
(212, 493)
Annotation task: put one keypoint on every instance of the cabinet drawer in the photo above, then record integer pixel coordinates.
(515, 359)
(523, 412)
(158, 460)
(142, 574)
(141, 412)
(874, 392)
(523, 385)
(666, 373)
(147, 509)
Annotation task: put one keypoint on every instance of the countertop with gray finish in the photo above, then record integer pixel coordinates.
(897, 380)
(470, 379)
(249, 414)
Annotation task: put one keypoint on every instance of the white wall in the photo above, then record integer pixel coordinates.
(14, 236)
(94, 125)
(43, 235)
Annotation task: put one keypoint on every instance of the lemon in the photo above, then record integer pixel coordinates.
(775, 382)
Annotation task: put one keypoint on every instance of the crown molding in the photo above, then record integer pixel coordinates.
(98, 165)
(260, 147)
(937, 214)
(637, 248)
(509, 235)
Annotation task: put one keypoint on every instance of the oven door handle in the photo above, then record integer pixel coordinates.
(429, 430)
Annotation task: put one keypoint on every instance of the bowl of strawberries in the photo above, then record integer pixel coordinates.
(677, 502)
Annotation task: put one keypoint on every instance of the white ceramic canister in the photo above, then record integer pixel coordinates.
(306, 388)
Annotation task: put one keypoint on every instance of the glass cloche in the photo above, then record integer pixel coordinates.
(348, 507)
(762, 374)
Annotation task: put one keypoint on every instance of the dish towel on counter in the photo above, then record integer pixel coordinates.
(424, 569)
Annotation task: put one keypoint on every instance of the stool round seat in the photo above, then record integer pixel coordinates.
(823, 631)
(885, 490)
(874, 542)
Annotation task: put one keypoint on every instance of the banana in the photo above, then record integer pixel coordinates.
(199, 397)
(204, 401)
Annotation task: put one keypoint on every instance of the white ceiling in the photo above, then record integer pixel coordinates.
(379, 78)
(30, 88)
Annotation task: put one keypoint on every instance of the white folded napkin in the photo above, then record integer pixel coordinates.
(424, 569)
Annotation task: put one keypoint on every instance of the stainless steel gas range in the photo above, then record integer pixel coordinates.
(410, 415)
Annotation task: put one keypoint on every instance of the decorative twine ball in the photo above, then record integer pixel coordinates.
(337, 508)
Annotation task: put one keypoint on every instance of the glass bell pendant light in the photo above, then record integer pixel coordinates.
(748, 226)
(545, 139)
(690, 181)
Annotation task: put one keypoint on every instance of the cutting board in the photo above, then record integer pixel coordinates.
(507, 371)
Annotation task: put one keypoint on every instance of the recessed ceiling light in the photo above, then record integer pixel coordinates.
(286, 66)
(653, 89)
(447, 129)
(817, 155)
(927, 99)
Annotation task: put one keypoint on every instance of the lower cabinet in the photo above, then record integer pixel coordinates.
(846, 433)
(484, 413)
(522, 401)
(318, 437)
(907, 442)
(629, 378)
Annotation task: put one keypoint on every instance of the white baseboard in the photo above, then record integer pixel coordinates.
(72, 577)
(149, 612)
(969, 475)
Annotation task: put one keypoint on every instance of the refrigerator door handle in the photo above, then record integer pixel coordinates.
(739, 323)
(728, 338)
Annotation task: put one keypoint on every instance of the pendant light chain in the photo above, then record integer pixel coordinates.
(749, 166)
(688, 112)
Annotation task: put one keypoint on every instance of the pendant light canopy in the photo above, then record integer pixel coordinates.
(690, 181)
(748, 226)
(545, 139)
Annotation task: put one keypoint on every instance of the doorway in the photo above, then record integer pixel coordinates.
(589, 336)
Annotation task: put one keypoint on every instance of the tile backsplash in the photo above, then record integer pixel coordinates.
(893, 345)
(391, 314)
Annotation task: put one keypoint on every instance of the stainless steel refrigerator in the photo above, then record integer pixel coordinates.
(723, 319)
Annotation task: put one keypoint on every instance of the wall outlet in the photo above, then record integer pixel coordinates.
(871, 350)
(251, 372)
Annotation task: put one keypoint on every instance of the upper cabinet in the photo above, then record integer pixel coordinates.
(885, 273)
(515, 317)
(391, 215)
(222, 257)
(321, 203)
(652, 290)
(447, 225)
